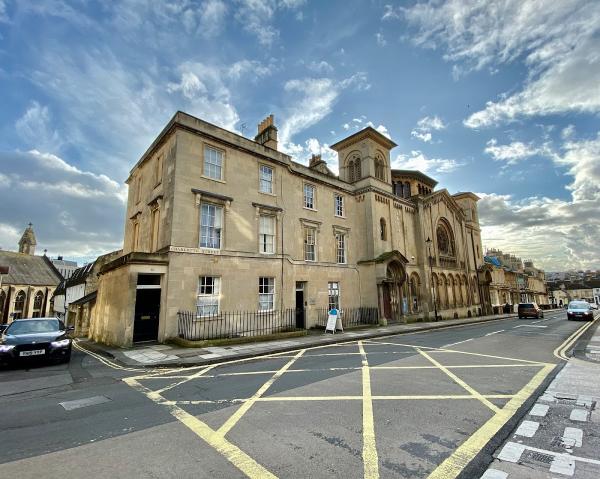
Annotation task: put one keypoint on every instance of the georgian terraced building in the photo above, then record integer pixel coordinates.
(218, 223)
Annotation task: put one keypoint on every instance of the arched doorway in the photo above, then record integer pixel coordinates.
(392, 291)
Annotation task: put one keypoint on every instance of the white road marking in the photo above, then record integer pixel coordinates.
(529, 326)
(77, 403)
(511, 452)
(527, 428)
(578, 415)
(563, 464)
(495, 332)
(574, 434)
(494, 474)
(539, 410)
(459, 342)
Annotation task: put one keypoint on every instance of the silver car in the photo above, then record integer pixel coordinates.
(580, 310)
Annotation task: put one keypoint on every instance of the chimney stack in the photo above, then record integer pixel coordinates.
(267, 133)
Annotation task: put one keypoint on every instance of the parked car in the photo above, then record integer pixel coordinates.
(580, 310)
(529, 310)
(46, 338)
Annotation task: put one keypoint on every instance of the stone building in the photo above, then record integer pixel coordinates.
(217, 223)
(514, 281)
(27, 289)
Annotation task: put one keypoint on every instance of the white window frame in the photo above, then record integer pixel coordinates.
(217, 226)
(339, 207)
(310, 239)
(266, 240)
(266, 293)
(209, 300)
(341, 254)
(313, 197)
(209, 167)
(333, 291)
(262, 181)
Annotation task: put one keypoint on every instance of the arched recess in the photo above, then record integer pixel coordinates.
(19, 305)
(394, 290)
(2, 305)
(463, 286)
(451, 296)
(383, 229)
(415, 296)
(436, 290)
(38, 302)
(443, 289)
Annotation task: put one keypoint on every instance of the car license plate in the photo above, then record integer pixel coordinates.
(34, 352)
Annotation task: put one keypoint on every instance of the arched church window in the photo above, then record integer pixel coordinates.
(19, 305)
(37, 304)
(357, 171)
(351, 171)
(445, 241)
(383, 229)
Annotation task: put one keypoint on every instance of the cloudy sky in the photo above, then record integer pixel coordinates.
(497, 97)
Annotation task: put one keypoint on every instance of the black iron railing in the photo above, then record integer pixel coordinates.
(351, 317)
(235, 324)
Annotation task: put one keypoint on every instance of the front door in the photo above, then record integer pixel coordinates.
(147, 309)
(387, 306)
(300, 317)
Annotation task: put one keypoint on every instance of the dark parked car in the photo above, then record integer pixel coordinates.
(529, 310)
(46, 338)
(580, 310)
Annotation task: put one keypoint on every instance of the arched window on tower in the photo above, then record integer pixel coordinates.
(350, 171)
(383, 229)
(445, 239)
(357, 170)
(407, 192)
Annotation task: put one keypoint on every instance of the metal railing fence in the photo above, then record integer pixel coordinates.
(351, 317)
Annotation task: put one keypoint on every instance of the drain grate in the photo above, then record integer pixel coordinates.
(539, 457)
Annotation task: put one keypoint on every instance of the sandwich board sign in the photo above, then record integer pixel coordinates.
(334, 321)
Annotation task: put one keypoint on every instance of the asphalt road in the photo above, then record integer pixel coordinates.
(407, 406)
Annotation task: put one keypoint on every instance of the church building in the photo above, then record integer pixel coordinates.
(217, 223)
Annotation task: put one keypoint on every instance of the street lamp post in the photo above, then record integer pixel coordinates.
(428, 242)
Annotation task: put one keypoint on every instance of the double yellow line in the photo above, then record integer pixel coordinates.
(561, 351)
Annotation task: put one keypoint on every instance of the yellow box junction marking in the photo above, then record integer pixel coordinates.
(449, 469)
(466, 452)
(232, 421)
(460, 382)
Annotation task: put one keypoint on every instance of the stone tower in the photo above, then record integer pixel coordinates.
(27, 242)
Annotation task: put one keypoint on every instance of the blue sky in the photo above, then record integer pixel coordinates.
(499, 98)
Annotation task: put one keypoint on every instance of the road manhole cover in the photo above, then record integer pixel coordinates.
(538, 457)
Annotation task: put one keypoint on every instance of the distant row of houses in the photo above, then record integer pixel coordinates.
(514, 281)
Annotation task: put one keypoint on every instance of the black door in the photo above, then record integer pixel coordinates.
(147, 309)
(300, 305)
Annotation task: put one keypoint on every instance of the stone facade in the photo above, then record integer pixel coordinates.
(217, 220)
(514, 281)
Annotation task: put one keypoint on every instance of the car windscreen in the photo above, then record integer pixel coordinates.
(578, 305)
(525, 305)
(32, 326)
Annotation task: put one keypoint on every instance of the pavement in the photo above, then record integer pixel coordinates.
(167, 355)
(559, 436)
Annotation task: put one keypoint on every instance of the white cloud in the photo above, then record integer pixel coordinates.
(257, 16)
(3, 14)
(419, 161)
(312, 99)
(76, 213)
(380, 128)
(556, 41)
(303, 152)
(511, 153)
(321, 68)
(212, 17)
(425, 126)
(391, 13)
(559, 234)
(34, 127)
(381, 41)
